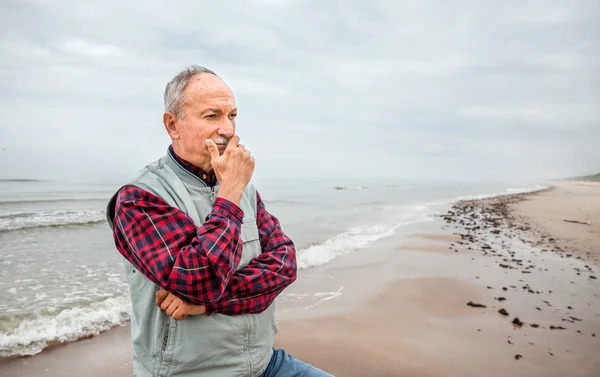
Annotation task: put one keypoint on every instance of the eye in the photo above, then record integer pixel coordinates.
(232, 115)
(211, 116)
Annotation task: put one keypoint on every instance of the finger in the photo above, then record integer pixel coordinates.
(233, 142)
(179, 314)
(171, 309)
(161, 294)
(242, 147)
(212, 149)
(198, 309)
(165, 304)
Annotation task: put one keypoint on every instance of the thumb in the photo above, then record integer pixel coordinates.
(212, 149)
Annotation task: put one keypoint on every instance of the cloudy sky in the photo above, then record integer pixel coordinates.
(469, 89)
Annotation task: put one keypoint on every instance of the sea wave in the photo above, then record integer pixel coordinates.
(285, 202)
(25, 220)
(509, 191)
(36, 201)
(31, 335)
(22, 180)
(526, 189)
(349, 241)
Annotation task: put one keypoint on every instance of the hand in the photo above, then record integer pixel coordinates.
(233, 168)
(175, 307)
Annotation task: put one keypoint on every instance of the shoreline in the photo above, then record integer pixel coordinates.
(536, 216)
(520, 300)
(413, 323)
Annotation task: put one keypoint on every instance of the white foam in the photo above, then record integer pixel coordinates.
(33, 335)
(351, 240)
(24, 281)
(25, 220)
(520, 190)
(325, 296)
(509, 191)
(308, 300)
(40, 296)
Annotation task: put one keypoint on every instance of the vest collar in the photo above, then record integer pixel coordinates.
(183, 173)
(208, 178)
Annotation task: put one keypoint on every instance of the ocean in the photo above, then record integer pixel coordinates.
(61, 277)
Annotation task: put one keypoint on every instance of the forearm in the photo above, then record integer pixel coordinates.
(255, 287)
(233, 306)
(203, 269)
(163, 243)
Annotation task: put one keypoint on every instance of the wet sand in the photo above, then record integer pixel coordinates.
(494, 287)
(524, 300)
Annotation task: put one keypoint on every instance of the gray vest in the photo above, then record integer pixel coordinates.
(198, 346)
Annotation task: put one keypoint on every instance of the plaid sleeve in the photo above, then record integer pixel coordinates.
(253, 288)
(163, 243)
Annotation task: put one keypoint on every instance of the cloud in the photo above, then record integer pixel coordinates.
(450, 90)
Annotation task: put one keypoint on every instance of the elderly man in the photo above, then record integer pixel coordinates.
(204, 259)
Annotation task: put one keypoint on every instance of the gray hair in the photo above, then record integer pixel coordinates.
(174, 92)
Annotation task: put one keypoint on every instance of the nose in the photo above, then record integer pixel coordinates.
(227, 128)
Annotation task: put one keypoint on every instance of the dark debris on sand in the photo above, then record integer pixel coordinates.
(480, 219)
(517, 322)
(486, 227)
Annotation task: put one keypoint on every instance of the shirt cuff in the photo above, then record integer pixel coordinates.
(228, 209)
(210, 309)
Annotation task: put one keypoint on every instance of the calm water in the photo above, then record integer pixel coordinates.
(60, 274)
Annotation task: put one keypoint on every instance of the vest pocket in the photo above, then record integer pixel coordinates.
(250, 240)
(249, 231)
(135, 279)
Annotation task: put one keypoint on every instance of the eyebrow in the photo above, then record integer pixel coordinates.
(215, 110)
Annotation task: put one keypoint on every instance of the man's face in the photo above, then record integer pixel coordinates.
(208, 112)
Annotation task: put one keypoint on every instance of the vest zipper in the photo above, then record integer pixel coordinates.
(247, 346)
(166, 337)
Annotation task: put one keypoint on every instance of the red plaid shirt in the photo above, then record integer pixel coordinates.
(198, 264)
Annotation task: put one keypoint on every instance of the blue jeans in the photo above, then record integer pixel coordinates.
(283, 365)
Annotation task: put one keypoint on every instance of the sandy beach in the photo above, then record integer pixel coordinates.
(513, 254)
(494, 287)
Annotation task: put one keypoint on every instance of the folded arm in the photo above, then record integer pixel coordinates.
(253, 288)
(163, 243)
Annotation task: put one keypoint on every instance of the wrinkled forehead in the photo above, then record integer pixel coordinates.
(208, 90)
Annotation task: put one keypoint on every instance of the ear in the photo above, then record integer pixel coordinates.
(170, 122)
